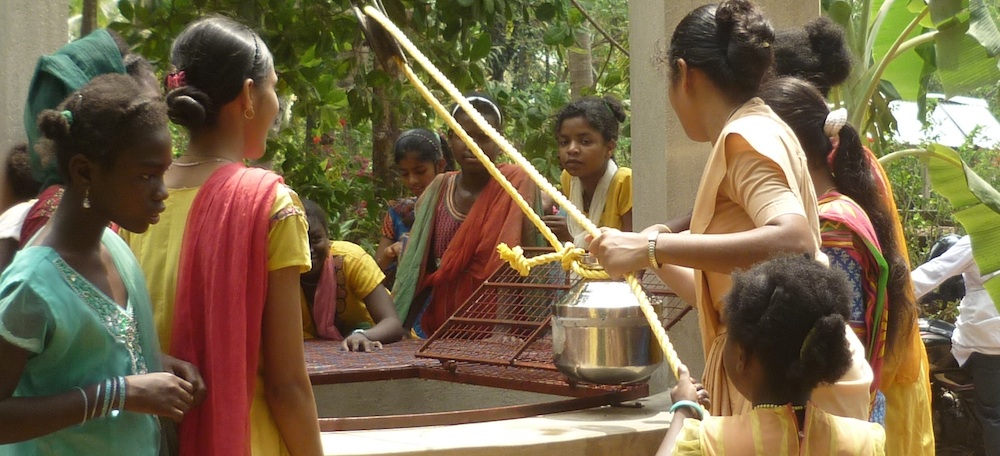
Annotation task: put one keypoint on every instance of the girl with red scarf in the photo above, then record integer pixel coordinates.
(223, 265)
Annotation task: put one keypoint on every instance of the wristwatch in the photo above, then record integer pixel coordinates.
(360, 331)
(651, 248)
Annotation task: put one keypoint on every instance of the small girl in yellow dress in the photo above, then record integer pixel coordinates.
(786, 323)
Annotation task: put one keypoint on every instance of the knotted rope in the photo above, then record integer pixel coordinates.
(567, 254)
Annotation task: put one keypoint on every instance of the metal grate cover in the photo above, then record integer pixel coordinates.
(506, 322)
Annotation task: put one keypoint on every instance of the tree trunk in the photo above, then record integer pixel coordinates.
(89, 22)
(385, 131)
(581, 66)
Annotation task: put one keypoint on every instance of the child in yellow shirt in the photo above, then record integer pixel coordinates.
(343, 295)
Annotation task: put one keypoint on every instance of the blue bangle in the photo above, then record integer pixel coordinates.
(692, 404)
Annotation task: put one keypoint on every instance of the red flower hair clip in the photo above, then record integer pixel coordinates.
(176, 80)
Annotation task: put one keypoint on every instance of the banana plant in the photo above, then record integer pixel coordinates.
(897, 46)
(976, 204)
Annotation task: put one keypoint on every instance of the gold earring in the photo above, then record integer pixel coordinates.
(248, 113)
(86, 199)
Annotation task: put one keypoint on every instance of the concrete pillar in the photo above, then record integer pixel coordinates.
(666, 165)
(28, 29)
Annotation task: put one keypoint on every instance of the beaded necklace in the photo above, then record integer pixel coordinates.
(795, 408)
(774, 406)
(208, 159)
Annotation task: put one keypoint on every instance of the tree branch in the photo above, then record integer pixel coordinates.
(599, 28)
(89, 21)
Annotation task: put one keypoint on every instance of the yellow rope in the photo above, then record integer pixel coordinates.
(565, 253)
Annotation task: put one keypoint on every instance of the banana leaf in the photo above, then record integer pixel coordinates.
(976, 203)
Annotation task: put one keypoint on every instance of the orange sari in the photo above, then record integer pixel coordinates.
(470, 257)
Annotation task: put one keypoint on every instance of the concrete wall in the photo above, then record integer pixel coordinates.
(28, 29)
(666, 165)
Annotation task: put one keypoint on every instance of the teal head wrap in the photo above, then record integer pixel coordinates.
(56, 77)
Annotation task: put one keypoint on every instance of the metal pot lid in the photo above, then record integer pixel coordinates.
(604, 294)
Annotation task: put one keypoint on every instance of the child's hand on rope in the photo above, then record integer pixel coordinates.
(689, 389)
(620, 253)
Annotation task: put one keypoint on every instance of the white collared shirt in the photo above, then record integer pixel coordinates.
(977, 328)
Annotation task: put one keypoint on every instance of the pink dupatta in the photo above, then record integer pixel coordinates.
(221, 289)
(325, 302)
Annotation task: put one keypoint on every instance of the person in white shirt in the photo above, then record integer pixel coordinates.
(976, 340)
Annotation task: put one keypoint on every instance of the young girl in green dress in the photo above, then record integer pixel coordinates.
(81, 361)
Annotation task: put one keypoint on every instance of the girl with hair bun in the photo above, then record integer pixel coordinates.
(224, 263)
(587, 133)
(420, 156)
(82, 371)
(755, 198)
(786, 321)
(862, 236)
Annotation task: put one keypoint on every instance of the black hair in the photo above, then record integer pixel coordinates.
(216, 55)
(729, 42)
(425, 145)
(486, 106)
(135, 64)
(816, 53)
(120, 43)
(803, 108)
(98, 120)
(19, 177)
(139, 68)
(790, 314)
(602, 114)
(315, 214)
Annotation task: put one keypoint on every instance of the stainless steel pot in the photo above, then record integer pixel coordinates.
(599, 335)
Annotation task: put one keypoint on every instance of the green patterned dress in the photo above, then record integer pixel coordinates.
(78, 337)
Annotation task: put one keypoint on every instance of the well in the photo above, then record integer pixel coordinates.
(491, 360)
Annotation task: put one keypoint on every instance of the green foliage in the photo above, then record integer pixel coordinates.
(899, 44)
(926, 214)
(331, 88)
(975, 201)
(329, 170)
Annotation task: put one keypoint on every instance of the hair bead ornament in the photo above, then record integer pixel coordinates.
(835, 120)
